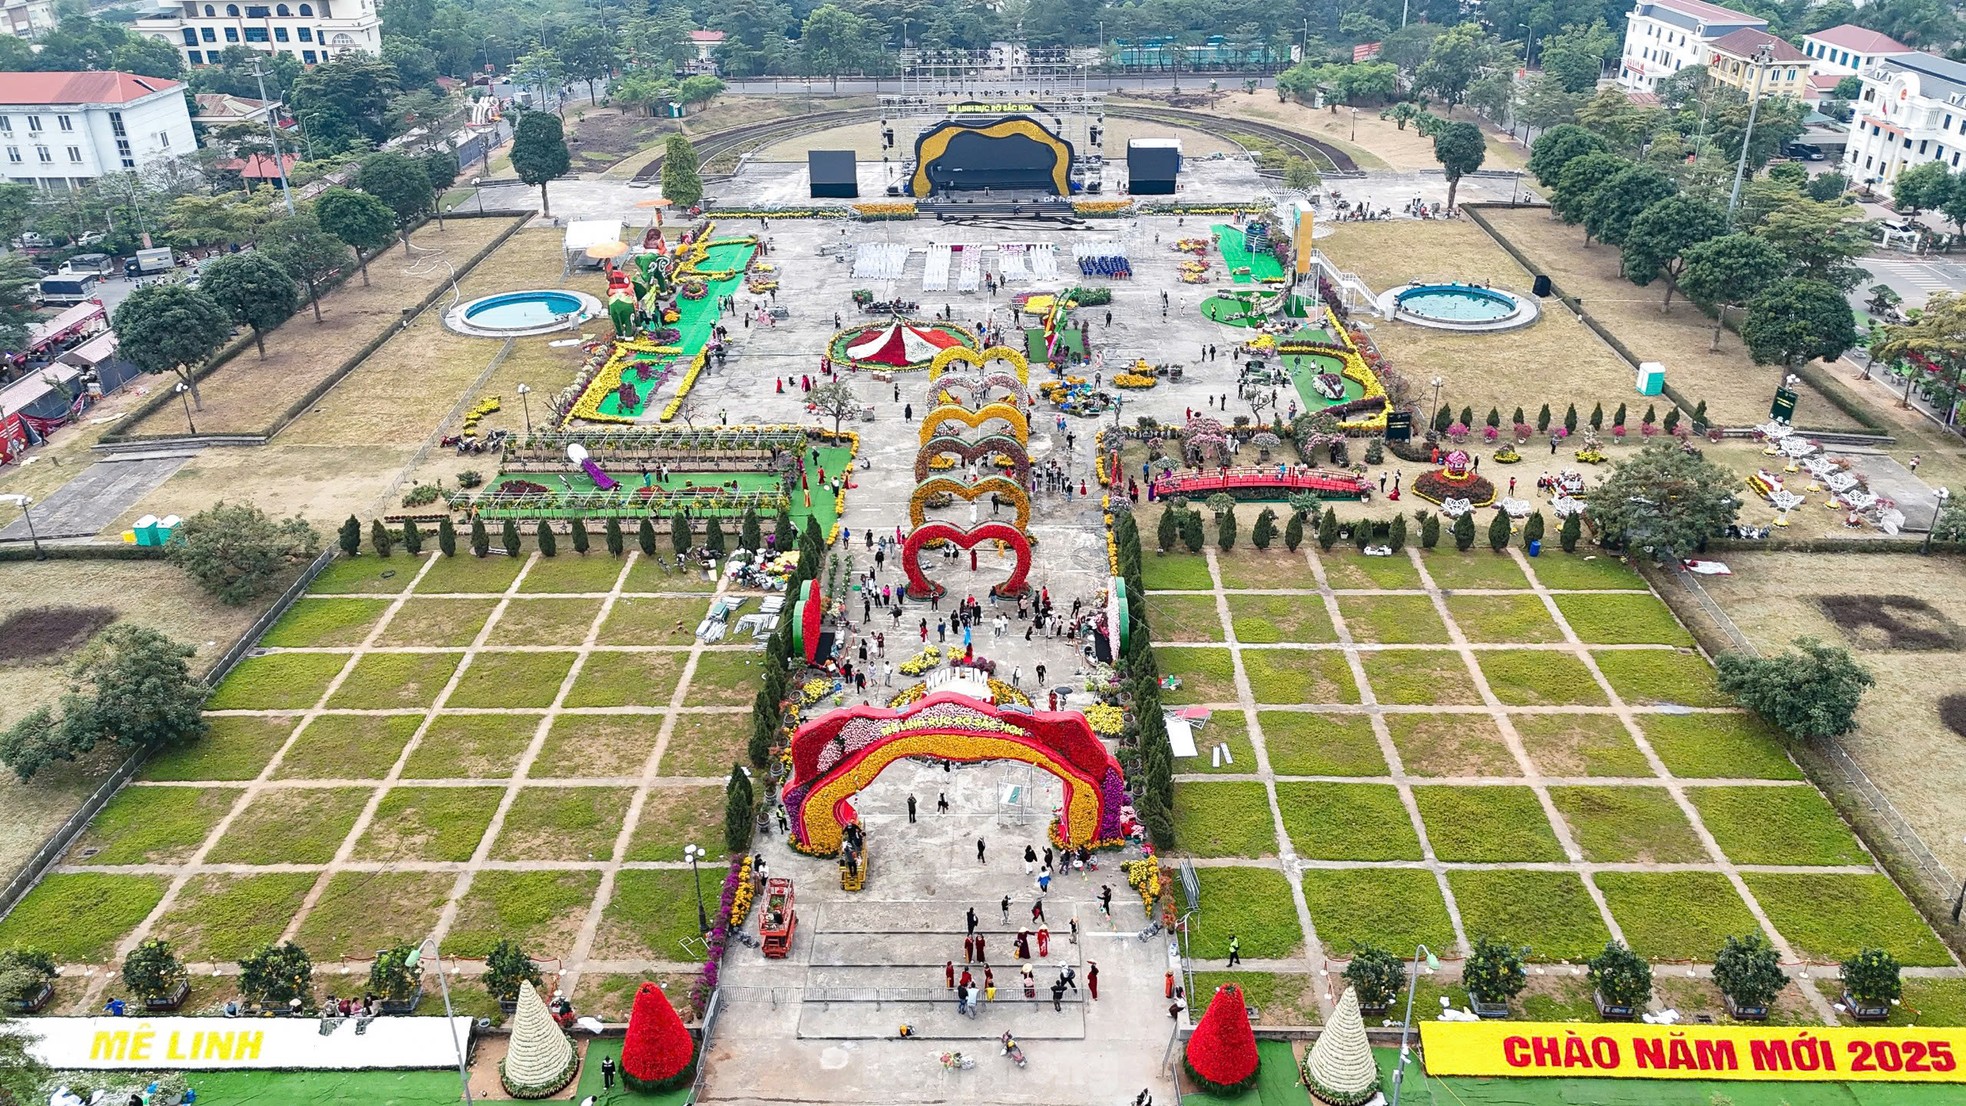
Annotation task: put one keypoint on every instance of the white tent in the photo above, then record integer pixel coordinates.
(585, 233)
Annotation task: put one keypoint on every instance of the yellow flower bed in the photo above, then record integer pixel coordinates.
(1101, 207)
(1001, 693)
(1105, 720)
(689, 381)
(921, 662)
(1144, 876)
(885, 209)
(941, 462)
(1591, 455)
(740, 903)
(588, 406)
(1135, 380)
(813, 691)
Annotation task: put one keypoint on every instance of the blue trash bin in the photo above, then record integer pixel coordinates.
(1536, 547)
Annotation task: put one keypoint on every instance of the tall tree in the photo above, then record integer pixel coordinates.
(1657, 242)
(835, 41)
(1938, 335)
(20, 296)
(680, 181)
(362, 221)
(345, 101)
(1728, 271)
(539, 152)
(1795, 321)
(1668, 497)
(309, 254)
(1575, 56)
(399, 181)
(1460, 149)
(1558, 147)
(1580, 180)
(1811, 691)
(1614, 206)
(129, 685)
(1821, 240)
(255, 291)
(1454, 59)
(171, 328)
(587, 51)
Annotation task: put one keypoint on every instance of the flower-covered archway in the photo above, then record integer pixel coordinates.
(1005, 489)
(1020, 428)
(980, 358)
(838, 755)
(965, 451)
(921, 587)
(978, 385)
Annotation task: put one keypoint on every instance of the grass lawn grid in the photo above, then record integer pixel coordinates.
(1223, 727)
(222, 918)
(151, 825)
(1224, 819)
(1616, 824)
(650, 913)
(1273, 569)
(1559, 571)
(79, 917)
(1675, 915)
(1451, 745)
(724, 678)
(1551, 912)
(1184, 618)
(1490, 824)
(384, 680)
(593, 746)
(1478, 570)
(428, 823)
(1207, 674)
(1303, 743)
(1650, 677)
(1829, 917)
(291, 826)
(1393, 908)
(1718, 746)
(1580, 745)
(472, 746)
(652, 620)
(1777, 825)
(1347, 821)
(672, 817)
(489, 575)
(540, 910)
(1392, 619)
(277, 681)
(1634, 619)
(1419, 677)
(436, 622)
(1503, 619)
(642, 679)
(563, 823)
(1281, 998)
(1274, 619)
(313, 623)
(1255, 905)
(1175, 572)
(363, 575)
(1348, 570)
(348, 746)
(513, 680)
(360, 912)
(550, 621)
(237, 747)
(1539, 677)
(1285, 676)
(704, 744)
(572, 573)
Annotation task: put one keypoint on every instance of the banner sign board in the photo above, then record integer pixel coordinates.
(221, 1044)
(1766, 1053)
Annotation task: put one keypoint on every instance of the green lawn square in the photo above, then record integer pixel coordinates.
(1303, 743)
(222, 918)
(1718, 746)
(348, 747)
(325, 623)
(1503, 619)
(1207, 675)
(1223, 727)
(1539, 678)
(651, 575)
(467, 574)
(563, 823)
(1393, 908)
(1675, 915)
(725, 678)
(235, 747)
(365, 575)
(1580, 745)
(382, 681)
(1254, 904)
(428, 823)
(1831, 917)
(1347, 821)
(1392, 619)
(277, 681)
(472, 746)
(1419, 677)
(1451, 745)
(513, 680)
(1274, 619)
(79, 917)
(1652, 677)
(1175, 572)
(1615, 824)
(1777, 825)
(545, 622)
(676, 816)
(1487, 824)
(425, 623)
(291, 825)
(1224, 819)
(542, 911)
(573, 573)
(1551, 912)
(1476, 570)
(1270, 569)
(586, 746)
(1287, 677)
(152, 825)
(1280, 998)
(1346, 569)
(360, 912)
(1184, 618)
(652, 911)
(654, 620)
(705, 744)
(1561, 571)
(626, 680)
(1635, 619)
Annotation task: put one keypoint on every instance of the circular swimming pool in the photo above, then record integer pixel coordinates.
(1457, 307)
(514, 314)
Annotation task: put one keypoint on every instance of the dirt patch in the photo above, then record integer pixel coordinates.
(38, 633)
(1952, 711)
(1894, 623)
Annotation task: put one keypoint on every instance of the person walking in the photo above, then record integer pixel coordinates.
(980, 953)
(1070, 977)
(989, 984)
(941, 802)
(1037, 911)
(949, 974)
(971, 919)
(911, 819)
(1044, 880)
(1044, 940)
(1058, 996)
(1021, 946)
(1106, 899)
(1075, 929)
(1005, 905)
(1030, 860)
(979, 852)
(1235, 950)
(1030, 982)
(969, 950)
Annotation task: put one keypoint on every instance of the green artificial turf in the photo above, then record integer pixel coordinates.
(1392, 619)
(152, 825)
(1654, 676)
(626, 680)
(1477, 569)
(1288, 676)
(1675, 915)
(222, 918)
(676, 816)
(1580, 745)
(436, 623)
(348, 746)
(1347, 821)
(1393, 908)
(1254, 905)
(1301, 743)
(563, 823)
(1718, 746)
(1635, 619)
(428, 823)
(542, 911)
(471, 746)
(1777, 825)
(1451, 745)
(1273, 619)
(1419, 677)
(384, 680)
(291, 826)
(1503, 619)
(1487, 824)
(1539, 677)
(1551, 912)
(1190, 618)
(1613, 824)
(79, 917)
(1561, 571)
(1224, 819)
(1833, 916)
(1175, 572)
(1207, 674)
(277, 681)
(514, 680)
(324, 623)
(235, 747)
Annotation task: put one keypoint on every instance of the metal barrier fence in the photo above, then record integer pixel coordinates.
(710, 1010)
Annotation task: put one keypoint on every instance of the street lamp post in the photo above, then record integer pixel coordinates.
(525, 397)
(1761, 60)
(450, 1018)
(1412, 985)
(478, 186)
(692, 854)
(26, 501)
(182, 394)
(1437, 382)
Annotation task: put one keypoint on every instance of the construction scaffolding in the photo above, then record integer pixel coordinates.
(1050, 86)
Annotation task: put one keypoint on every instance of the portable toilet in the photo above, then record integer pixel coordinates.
(146, 531)
(1651, 378)
(167, 526)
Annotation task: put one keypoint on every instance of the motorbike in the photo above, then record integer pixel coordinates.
(1013, 1050)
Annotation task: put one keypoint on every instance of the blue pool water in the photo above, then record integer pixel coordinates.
(1457, 303)
(521, 310)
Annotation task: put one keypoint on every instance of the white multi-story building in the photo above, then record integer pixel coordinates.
(1913, 109)
(312, 31)
(1664, 36)
(1844, 51)
(62, 130)
(27, 18)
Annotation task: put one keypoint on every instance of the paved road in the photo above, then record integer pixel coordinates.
(96, 498)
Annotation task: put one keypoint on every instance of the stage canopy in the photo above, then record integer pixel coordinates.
(901, 344)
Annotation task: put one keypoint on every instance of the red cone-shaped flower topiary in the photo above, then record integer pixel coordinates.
(658, 1054)
(1221, 1055)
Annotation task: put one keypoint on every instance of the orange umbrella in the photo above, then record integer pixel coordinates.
(659, 201)
(601, 251)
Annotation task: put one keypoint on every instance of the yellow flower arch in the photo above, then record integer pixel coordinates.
(1020, 428)
(980, 358)
(1005, 488)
